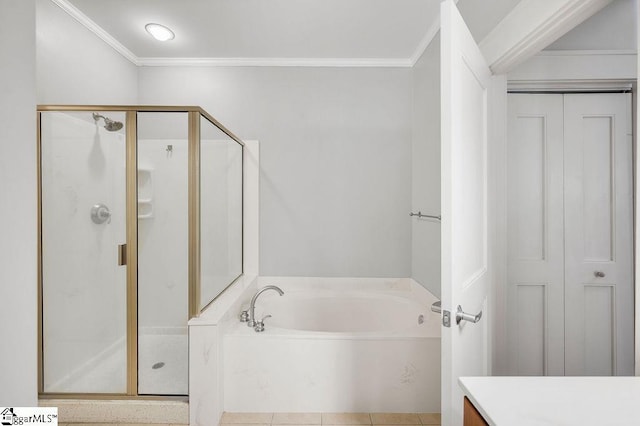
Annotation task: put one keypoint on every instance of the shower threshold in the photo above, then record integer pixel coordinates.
(174, 411)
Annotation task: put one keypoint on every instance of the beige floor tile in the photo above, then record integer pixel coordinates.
(401, 425)
(92, 424)
(144, 424)
(395, 419)
(430, 418)
(246, 418)
(346, 419)
(296, 419)
(288, 424)
(244, 424)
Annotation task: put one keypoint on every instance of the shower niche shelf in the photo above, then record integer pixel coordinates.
(145, 193)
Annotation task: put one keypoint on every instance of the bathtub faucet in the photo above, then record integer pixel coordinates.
(251, 320)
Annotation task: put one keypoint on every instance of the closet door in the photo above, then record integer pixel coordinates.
(598, 235)
(535, 308)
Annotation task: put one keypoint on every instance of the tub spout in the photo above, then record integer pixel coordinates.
(252, 309)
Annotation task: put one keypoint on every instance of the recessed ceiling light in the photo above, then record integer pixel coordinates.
(159, 32)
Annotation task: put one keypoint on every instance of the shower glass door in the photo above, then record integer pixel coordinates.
(83, 224)
(163, 252)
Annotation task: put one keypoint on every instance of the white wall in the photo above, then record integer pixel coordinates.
(75, 67)
(601, 48)
(18, 189)
(335, 159)
(425, 179)
(613, 28)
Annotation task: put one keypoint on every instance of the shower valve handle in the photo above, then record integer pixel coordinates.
(100, 214)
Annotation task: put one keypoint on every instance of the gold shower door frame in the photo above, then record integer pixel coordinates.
(131, 146)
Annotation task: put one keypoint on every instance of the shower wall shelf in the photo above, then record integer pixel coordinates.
(145, 193)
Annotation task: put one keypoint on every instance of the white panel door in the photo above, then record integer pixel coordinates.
(465, 84)
(570, 234)
(535, 228)
(598, 235)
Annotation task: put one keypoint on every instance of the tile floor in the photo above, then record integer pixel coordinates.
(117, 424)
(333, 419)
(308, 419)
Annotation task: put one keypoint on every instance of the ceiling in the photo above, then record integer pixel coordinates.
(377, 30)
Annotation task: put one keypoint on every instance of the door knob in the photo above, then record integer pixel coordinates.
(461, 315)
(599, 274)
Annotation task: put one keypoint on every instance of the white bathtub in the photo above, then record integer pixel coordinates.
(336, 345)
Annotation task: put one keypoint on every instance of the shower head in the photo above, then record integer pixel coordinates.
(109, 124)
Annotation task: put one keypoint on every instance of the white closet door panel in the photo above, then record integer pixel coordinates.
(535, 235)
(531, 351)
(598, 235)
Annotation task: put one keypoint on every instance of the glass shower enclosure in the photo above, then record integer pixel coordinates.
(140, 226)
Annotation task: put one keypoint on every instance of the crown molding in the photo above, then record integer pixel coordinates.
(276, 62)
(542, 27)
(87, 22)
(83, 19)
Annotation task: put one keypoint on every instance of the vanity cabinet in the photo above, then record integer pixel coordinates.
(471, 416)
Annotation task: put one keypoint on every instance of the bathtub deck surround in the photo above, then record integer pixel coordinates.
(205, 347)
(334, 419)
(325, 338)
(205, 343)
(318, 350)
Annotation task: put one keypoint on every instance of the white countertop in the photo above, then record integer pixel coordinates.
(558, 401)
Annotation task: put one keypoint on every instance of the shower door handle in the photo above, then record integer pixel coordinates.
(122, 254)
